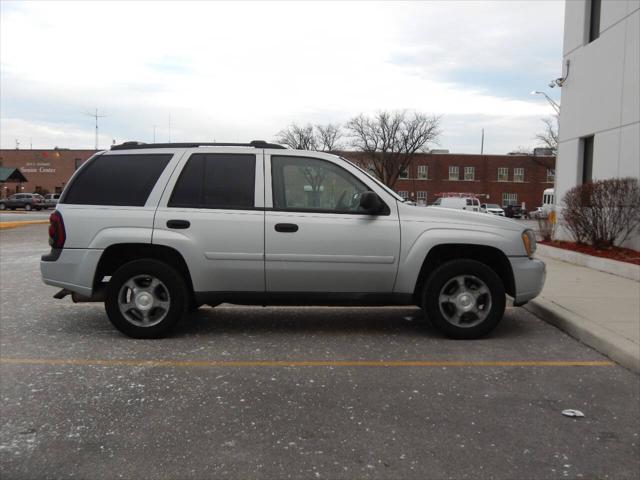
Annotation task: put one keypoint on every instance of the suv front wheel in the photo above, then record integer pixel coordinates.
(464, 299)
(146, 298)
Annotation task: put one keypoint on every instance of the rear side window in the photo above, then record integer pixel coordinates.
(119, 180)
(216, 180)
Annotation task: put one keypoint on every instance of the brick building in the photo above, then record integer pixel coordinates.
(501, 179)
(46, 171)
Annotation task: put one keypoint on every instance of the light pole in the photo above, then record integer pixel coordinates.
(553, 104)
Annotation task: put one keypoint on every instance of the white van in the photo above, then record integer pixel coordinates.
(470, 204)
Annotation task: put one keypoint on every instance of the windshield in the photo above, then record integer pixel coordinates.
(493, 205)
(378, 182)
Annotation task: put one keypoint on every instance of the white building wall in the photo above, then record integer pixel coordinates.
(601, 95)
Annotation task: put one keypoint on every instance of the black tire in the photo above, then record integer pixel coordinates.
(171, 280)
(491, 305)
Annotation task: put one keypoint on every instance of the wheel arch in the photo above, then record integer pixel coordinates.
(493, 257)
(118, 254)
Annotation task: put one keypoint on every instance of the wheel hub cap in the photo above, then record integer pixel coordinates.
(144, 301)
(465, 301)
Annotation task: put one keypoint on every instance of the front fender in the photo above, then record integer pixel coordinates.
(416, 247)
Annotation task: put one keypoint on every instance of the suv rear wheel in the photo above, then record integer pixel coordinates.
(146, 298)
(464, 299)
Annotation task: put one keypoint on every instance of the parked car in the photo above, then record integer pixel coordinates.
(471, 204)
(493, 208)
(537, 212)
(28, 201)
(182, 225)
(51, 200)
(513, 211)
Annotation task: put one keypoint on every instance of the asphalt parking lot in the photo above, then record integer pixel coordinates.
(250, 392)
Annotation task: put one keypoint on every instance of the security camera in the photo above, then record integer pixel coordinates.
(552, 84)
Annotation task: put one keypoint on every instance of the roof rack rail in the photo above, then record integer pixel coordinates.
(141, 145)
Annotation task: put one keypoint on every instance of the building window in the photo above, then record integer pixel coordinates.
(469, 173)
(518, 175)
(404, 173)
(422, 198)
(423, 172)
(371, 169)
(404, 194)
(593, 12)
(551, 175)
(509, 199)
(78, 163)
(587, 159)
(503, 174)
(453, 173)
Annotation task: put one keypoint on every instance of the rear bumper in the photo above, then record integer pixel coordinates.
(529, 275)
(73, 269)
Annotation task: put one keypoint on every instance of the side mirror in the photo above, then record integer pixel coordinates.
(371, 202)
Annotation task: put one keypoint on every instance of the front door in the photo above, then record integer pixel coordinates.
(317, 238)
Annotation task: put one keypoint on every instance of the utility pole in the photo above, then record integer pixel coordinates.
(482, 143)
(96, 116)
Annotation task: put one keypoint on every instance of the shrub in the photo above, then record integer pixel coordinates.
(603, 212)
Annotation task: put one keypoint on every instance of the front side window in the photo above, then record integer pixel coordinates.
(216, 180)
(453, 173)
(469, 174)
(518, 174)
(301, 183)
(422, 172)
(117, 180)
(503, 174)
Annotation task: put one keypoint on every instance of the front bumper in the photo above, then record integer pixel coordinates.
(529, 275)
(73, 269)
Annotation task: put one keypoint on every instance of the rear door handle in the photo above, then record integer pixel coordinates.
(286, 227)
(178, 224)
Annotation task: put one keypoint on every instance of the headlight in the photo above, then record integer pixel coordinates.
(529, 241)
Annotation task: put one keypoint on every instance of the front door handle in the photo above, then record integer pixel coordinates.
(179, 224)
(286, 227)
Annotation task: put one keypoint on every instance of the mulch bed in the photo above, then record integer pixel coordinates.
(614, 253)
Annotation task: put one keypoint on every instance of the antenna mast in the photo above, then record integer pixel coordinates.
(96, 117)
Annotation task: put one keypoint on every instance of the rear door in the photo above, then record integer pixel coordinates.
(212, 212)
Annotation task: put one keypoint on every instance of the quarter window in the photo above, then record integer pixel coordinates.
(118, 180)
(301, 183)
(469, 173)
(220, 180)
(503, 174)
(454, 173)
(518, 174)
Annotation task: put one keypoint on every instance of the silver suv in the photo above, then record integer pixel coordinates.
(156, 230)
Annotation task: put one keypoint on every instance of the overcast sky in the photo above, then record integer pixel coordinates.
(241, 71)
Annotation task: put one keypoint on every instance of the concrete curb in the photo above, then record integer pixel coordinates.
(23, 223)
(614, 267)
(617, 348)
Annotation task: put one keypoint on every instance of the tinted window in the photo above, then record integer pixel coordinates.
(309, 184)
(116, 180)
(219, 180)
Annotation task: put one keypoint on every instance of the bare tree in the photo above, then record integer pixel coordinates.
(390, 139)
(328, 137)
(324, 138)
(297, 137)
(549, 136)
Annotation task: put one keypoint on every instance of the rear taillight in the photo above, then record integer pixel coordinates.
(57, 235)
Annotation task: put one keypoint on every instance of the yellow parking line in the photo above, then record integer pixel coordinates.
(304, 363)
(22, 223)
